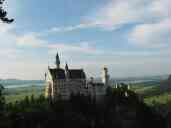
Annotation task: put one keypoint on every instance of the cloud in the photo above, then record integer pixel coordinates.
(34, 40)
(156, 35)
(6, 35)
(23, 69)
(15, 62)
(151, 29)
(144, 35)
(80, 48)
(9, 53)
(122, 66)
(30, 40)
(117, 13)
(4, 28)
(71, 28)
(151, 20)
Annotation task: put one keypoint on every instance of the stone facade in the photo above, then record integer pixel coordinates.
(61, 83)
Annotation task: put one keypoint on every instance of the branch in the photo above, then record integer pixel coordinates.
(3, 14)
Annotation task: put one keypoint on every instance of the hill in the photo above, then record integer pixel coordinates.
(14, 82)
(155, 93)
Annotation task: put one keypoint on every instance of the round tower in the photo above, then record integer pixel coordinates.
(105, 76)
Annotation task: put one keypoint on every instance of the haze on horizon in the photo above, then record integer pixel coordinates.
(131, 38)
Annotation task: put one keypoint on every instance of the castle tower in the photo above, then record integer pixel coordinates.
(105, 76)
(57, 61)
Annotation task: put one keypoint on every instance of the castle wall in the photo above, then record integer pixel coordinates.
(49, 85)
(63, 88)
(100, 92)
(96, 92)
(77, 85)
(60, 89)
(59, 84)
(48, 89)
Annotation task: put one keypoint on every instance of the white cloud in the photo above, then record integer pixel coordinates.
(122, 63)
(30, 40)
(80, 48)
(83, 25)
(156, 35)
(150, 18)
(16, 63)
(23, 69)
(9, 53)
(120, 12)
(152, 30)
(4, 28)
(122, 66)
(117, 13)
(6, 36)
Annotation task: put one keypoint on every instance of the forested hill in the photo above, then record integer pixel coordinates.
(120, 108)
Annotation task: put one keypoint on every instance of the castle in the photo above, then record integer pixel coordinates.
(61, 83)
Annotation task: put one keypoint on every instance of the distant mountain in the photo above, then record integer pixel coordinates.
(11, 82)
(142, 79)
(8, 82)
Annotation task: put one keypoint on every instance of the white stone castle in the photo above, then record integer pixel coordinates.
(61, 83)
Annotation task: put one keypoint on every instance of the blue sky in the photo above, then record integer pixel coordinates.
(130, 37)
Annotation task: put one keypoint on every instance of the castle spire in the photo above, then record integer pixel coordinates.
(67, 71)
(57, 61)
(66, 67)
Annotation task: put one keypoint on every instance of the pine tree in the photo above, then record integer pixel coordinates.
(2, 99)
(3, 14)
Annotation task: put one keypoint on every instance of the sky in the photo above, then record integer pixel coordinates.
(130, 37)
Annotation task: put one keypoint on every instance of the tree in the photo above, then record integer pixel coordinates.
(2, 99)
(3, 14)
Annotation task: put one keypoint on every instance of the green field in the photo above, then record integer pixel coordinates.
(16, 94)
(153, 93)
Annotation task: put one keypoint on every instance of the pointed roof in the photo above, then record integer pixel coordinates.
(57, 58)
(66, 66)
(57, 73)
(57, 55)
(76, 74)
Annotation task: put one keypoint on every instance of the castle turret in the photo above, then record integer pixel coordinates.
(57, 61)
(67, 71)
(45, 76)
(105, 76)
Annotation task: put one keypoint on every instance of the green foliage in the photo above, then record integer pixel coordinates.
(28, 104)
(157, 95)
(2, 99)
(17, 94)
(117, 110)
(3, 14)
(163, 98)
